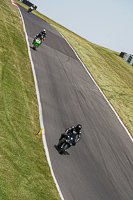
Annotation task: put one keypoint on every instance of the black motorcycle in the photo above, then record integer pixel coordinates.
(30, 9)
(66, 143)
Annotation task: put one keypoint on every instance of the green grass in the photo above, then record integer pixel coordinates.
(25, 173)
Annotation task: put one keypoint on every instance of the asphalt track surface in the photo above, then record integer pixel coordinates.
(100, 166)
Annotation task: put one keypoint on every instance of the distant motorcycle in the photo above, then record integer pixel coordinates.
(66, 143)
(30, 9)
(36, 43)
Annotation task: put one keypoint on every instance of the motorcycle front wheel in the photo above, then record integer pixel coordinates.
(64, 146)
(34, 47)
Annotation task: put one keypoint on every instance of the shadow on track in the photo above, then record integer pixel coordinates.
(33, 48)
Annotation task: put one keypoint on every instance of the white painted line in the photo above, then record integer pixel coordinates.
(40, 109)
(100, 91)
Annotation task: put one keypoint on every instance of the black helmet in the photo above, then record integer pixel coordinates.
(44, 31)
(78, 127)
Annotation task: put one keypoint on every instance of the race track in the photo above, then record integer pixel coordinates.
(100, 166)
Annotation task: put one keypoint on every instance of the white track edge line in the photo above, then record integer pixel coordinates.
(100, 90)
(40, 110)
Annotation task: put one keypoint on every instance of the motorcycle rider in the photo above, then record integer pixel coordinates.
(34, 7)
(41, 35)
(74, 129)
(31, 8)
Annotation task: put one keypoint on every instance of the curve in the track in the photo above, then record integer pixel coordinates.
(100, 166)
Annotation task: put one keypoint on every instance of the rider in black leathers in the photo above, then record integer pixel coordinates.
(41, 35)
(76, 130)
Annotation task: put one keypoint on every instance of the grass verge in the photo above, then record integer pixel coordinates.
(25, 173)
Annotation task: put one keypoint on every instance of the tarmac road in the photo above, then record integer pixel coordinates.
(100, 166)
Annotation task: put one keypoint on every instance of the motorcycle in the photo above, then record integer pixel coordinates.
(30, 9)
(66, 143)
(36, 43)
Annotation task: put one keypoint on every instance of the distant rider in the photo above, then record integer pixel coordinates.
(76, 130)
(41, 35)
(31, 8)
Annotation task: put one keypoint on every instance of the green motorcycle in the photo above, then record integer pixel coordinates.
(36, 43)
